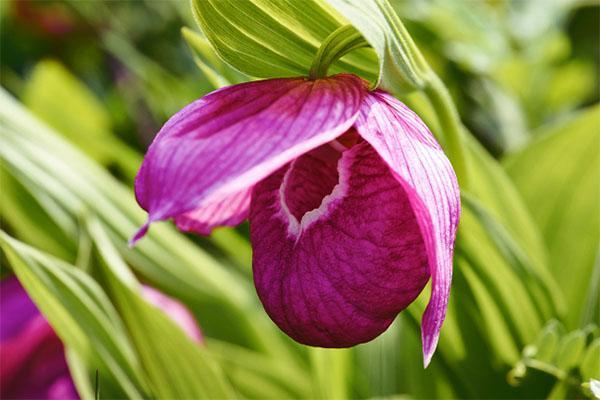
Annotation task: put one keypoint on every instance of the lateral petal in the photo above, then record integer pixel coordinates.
(232, 138)
(420, 165)
(338, 274)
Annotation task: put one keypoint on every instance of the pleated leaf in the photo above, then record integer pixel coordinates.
(271, 39)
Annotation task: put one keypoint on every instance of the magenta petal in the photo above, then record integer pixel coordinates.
(230, 211)
(232, 138)
(337, 248)
(419, 164)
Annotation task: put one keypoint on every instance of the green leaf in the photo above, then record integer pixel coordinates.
(259, 376)
(330, 372)
(469, 33)
(570, 350)
(590, 365)
(270, 39)
(558, 176)
(34, 219)
(540, 285)
(547, 342)
(80, 374)
(79, 311)
(401, 65)
(560, 355)
(214, 69)
(508, 306)
(176, 366)
(51, 89)
(65, 103)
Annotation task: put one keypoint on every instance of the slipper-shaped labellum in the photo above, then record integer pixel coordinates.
(352, 203)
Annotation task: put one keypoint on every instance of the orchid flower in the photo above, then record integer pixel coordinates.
(32, 359)
(351, 201)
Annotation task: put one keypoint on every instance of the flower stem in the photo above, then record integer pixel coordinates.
(340, 42)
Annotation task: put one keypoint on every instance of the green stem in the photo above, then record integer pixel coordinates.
(340, 42)
(447, 114)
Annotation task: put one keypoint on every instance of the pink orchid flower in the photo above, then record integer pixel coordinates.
(352, 203)
(32, 358)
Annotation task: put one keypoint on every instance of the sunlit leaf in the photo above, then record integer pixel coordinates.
(401, 68)
(558, 177)
(272, 39)
(62, 101)
(79, 311)
(176, 366)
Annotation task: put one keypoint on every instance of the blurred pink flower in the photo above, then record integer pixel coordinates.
(32, 359)
(32, 362)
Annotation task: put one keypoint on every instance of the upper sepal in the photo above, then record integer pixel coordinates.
(224, 143)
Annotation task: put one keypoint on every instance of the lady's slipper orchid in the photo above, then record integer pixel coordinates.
(351, 201)
(32, 359)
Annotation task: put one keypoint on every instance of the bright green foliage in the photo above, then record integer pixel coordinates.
(401, 66)
(214, 69)
(80, 312)
(169, 358)
(273, 39)
(526, 252)
(58, 98)
(572, 358)
(42, 159)
(558, 176)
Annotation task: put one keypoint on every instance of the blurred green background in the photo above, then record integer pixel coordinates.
(87, 84)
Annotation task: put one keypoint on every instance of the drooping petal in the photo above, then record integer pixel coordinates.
(232, 138)
(419, 164)
(337, 248)
(230, 211)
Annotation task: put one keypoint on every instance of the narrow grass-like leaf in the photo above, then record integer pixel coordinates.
(214, 69)
(331, 369)
(176, 366)
(79, 311)
(255, 375)
(400, 67)
(80, 374)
